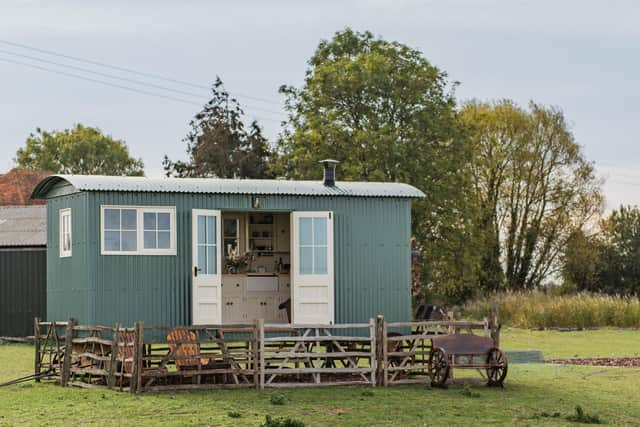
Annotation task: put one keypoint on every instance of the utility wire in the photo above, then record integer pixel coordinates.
(134, 81)
(102, 82)
(127, 70)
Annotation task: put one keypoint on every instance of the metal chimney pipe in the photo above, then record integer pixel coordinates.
(329, 178)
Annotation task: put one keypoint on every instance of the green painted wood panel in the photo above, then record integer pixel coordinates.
(372, 259)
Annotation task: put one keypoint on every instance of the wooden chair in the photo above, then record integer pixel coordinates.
(183, 342)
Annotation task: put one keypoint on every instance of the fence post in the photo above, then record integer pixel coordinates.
(111, 378)
(495, 324)
(255, 355)
(379, 352)
(137, 351)
(261, 351)
(68, 351)
(36, 342)
(451, 329)
(374, 350)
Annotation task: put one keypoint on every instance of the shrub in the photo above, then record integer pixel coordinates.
(278, 399)
(281, 422)
(537, 309)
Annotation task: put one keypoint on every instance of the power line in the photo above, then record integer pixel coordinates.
(134, 81)
(127, 70)
(102, 82)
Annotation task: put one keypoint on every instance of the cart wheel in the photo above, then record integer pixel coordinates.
(497, 367)
(438, 367)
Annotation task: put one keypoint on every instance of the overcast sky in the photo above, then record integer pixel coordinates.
(582, 56)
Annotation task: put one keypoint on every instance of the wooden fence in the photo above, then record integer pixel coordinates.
(49, 349)
(406, 347)
(148, 358)
(317, 355)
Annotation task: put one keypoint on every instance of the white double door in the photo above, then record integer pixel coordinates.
(207, 267)
(312, 267)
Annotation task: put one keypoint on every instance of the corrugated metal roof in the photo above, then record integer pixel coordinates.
(228, 186)
(23, 225)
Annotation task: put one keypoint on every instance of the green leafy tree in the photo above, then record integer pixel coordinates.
(534, 189)
(583, 262)
(80, 150)
(620, 235)
(387, 114)
(219, 144)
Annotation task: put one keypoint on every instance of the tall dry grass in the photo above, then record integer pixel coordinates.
(537, 309)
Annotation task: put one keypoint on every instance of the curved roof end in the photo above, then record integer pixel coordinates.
(41, 190)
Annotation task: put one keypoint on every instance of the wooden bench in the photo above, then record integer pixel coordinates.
(462, 351)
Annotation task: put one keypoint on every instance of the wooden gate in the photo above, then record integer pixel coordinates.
(318, 355)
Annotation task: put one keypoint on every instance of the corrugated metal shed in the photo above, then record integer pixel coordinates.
(227, 186)
(23, 226)
(23, 289)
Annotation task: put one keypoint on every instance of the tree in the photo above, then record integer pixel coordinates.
(534, 188)
(583, 262)
(219, 145)
(387, 114)
(620, 236)
(80, 150)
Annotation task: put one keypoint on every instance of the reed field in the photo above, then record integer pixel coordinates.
(538, 309)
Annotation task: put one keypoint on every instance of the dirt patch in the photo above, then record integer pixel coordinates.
(628, 362)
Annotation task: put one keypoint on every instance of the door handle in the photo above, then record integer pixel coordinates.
(195, 271)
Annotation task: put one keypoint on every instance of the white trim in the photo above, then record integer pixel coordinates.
(62, 215)
(140, 210)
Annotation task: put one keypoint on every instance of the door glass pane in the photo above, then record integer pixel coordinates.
(202, 259)
(150, 239)
(212, 265)
(211, 229)
(129, 241)
(306, 237)
(149, 221)
(320, 260)
(128, 219)
(111, 240)
(112, 219)
(306, 260)
(163, 221)
(320, 231)
(201, 229)
(164, 239)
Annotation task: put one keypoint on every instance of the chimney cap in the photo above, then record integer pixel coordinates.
(328, 162)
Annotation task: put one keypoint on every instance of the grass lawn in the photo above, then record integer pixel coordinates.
(556, 344)
(533, 393)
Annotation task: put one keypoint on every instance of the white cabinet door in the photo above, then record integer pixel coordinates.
(312, 268)
(206, 269)
(232, 309)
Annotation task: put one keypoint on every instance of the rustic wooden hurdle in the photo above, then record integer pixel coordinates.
(158, 358)
(319, 355)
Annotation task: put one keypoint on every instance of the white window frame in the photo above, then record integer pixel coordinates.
(140, 211)
(63, 214)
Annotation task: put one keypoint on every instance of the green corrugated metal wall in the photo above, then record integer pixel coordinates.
(372, 258)
(67, 278)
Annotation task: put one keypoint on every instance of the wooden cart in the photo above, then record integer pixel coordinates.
(466, 351)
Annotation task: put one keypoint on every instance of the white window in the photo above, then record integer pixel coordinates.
(231, 235)
(134, 230)
(65, 233)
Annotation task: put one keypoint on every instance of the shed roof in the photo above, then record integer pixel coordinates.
(23, 225)
(17, 184)
(227, 186)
